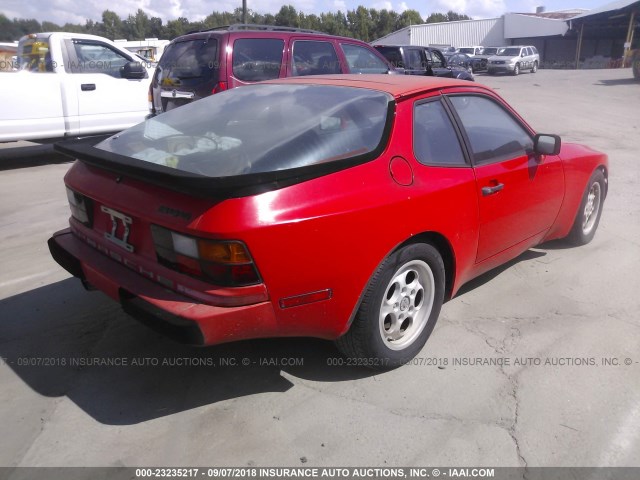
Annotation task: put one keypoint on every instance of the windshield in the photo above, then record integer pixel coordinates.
(260, 128)
(489, 51)
(509, 52)
(466, 50)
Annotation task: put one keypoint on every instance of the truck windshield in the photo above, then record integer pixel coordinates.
(259, 129)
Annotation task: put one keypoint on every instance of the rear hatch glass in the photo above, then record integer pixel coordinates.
(266, 135)
(188, 70)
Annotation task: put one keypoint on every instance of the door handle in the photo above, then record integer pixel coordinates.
(491, 190)
(87, 87)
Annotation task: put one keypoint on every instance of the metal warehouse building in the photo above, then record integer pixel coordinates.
(566, 38)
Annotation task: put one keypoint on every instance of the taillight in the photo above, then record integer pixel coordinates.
(81, 207)
(220, 87)
(223, 262)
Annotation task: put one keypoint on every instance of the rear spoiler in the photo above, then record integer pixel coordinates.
(216, 188)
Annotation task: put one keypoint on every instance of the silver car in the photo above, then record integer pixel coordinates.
(514, 59)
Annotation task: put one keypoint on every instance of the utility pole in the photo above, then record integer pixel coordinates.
(244, 11)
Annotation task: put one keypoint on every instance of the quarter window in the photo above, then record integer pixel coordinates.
(434, 139)
(314, 58)
(362, 60)
(257, 59)
(493, 133)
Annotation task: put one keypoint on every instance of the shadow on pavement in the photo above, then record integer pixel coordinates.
(491, 274)
(617, 81)
(63, 341)
(30, 156)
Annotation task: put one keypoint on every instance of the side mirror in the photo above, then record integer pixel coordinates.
(133, 71)
(545, 144)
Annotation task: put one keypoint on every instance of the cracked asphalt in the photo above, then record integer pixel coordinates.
(534, 364)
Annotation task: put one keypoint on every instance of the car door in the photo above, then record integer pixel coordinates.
(519, 193)
(105, 100)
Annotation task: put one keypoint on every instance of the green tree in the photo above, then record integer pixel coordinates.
(287, 16)
(112, 25)
(409, 17)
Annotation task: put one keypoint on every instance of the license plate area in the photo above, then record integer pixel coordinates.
(120, 228)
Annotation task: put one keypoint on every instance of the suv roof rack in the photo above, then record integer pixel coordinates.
(255, 26)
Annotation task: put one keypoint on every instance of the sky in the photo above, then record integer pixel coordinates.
(75, 11)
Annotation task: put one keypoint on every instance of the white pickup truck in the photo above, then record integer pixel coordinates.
(71, 84)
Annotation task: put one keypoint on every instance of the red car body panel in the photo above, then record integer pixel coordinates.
(330, 234)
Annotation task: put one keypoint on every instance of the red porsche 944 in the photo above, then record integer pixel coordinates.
(342, 207)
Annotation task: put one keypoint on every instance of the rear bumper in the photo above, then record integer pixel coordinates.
(164, 310)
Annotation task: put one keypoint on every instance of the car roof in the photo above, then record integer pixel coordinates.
(396, 85)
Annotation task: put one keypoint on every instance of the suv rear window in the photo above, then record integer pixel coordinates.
(189, 63)
(257, 59)
(260, 129)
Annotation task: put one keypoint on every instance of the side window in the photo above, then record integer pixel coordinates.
(392, 54)
(95, 57)
(493, 133)
(434, 139)
(438, 59)
(257, 59)
(528, 52)
(535, 50)
(314, 58)
(363, 60)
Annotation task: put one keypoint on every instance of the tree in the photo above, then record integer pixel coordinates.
(450, 16)
(287, 17)
(409, 17)
(177, 27)
(112, 25)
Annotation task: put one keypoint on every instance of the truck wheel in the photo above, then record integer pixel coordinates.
(399, 310)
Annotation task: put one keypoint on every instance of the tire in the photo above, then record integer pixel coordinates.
(534, 69)
(588, 216)
(516, 70)
(490, 72)
(399, 309)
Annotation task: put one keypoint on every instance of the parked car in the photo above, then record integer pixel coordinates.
(463, 60)
(202, 63)
(471, 51)
(482, 59)
(513, 60)
(417, 60)
(341, 207)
